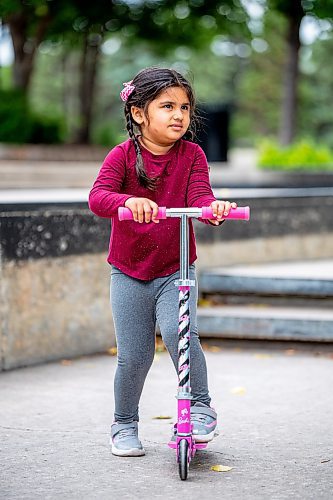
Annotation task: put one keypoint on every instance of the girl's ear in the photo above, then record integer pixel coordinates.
(137, 115)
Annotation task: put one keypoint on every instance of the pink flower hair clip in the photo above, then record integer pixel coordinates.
(127, 90)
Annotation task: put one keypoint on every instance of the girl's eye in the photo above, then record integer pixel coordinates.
(185, 107)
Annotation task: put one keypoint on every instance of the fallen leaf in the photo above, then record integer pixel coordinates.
(238, 390)
(205, 303)
(325, 461)
(112, 351)
(159, 345)
(162, 417)
(262, 356)
(213, 348)
(66, 362)
(221, 468)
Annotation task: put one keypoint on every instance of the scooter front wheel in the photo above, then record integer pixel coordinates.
(183, 459)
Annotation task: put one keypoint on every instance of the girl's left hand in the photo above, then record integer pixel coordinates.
(221, 208)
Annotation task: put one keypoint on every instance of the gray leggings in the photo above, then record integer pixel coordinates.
(137, 306)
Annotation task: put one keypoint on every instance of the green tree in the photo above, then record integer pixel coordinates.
(29, 24)
(294, 12)
(81, 23)
(165, 24)
(316, 92)
(260, 87)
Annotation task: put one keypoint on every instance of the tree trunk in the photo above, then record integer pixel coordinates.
(291, 73)
(88, 72)
(24, 47)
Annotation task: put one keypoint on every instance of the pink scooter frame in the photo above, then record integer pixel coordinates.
(184, 443)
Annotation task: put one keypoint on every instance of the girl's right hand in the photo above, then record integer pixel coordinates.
(143, 209)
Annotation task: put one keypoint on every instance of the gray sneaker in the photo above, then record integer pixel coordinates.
(125, 441)
(204, 420)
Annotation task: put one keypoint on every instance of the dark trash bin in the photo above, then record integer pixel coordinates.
(213, 133)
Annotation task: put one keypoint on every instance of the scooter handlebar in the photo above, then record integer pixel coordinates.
(241, 213)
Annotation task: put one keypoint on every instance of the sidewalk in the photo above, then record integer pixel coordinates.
(275, 405)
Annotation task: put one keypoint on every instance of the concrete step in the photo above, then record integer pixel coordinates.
(275, 323)
(300, 279)
(217, 299)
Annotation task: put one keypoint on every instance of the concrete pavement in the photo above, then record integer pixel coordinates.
(275, 403)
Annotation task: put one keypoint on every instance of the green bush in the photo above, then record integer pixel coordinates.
(19, 125)
(302, 155)
(16, 123)
(45, 130)
(108, 135)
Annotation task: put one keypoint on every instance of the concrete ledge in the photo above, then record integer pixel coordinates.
(49, 231)
(53, 308)
(211, 282)
(52, 152)
(248, 175)
(275, 217)
(270, 249)
(267, 323)
(54, 279)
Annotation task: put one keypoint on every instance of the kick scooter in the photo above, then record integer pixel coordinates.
(184, 442)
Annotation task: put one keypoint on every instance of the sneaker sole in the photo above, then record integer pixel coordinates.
(206, 438)
(132, 452)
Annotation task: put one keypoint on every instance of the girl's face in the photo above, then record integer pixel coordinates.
(167, 118)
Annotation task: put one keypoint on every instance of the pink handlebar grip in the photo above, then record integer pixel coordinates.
(126, 214)
(235, 213)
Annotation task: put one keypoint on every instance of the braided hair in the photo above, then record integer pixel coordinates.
(148, 84)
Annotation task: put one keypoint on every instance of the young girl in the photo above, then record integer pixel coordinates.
(156, 166)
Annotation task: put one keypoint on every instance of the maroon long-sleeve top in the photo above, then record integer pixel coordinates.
(147, 251)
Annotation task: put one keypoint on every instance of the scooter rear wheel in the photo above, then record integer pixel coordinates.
(183, 459)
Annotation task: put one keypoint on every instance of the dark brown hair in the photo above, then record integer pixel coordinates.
(149, 83)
